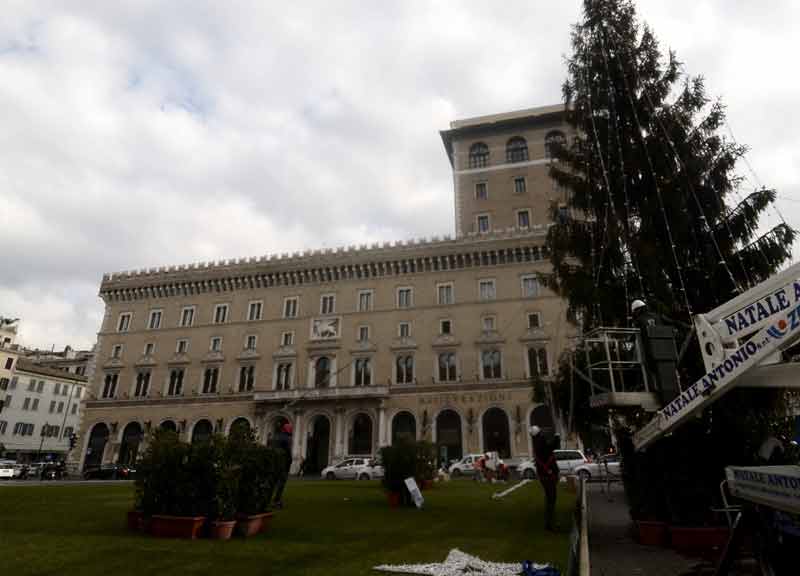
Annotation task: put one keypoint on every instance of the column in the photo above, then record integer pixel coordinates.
(297, 442)
(338, 442)
(382, 425)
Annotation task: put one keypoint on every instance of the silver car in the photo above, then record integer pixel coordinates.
(348, 469)
(568, 461)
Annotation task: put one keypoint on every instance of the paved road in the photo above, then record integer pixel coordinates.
(76, 482)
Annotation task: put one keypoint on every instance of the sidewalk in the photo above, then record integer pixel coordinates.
(612, 550)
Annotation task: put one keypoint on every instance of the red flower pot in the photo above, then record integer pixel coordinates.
(162, 526)
(221, 530)
(252, 524)
(652, 533)
(394, 499)
(703, 541)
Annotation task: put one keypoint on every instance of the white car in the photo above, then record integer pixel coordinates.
(352, 469)
(465, 466)
(605, 466)
(569, 462)
(6, 471)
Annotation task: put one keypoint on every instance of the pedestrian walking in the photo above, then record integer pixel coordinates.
(283, 443)
(546, 472)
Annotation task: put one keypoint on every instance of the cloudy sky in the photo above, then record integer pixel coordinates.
(146, 133)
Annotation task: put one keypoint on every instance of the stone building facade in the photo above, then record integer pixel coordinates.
(440, 339)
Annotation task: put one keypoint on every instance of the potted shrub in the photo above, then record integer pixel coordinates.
(256, 482)
(399, 463)
(226, 488)
(425, 467)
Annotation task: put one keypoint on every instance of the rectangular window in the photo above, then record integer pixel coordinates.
(3, 426)
(32, 385)
(481, 191)
(363, 333)
(155, 320)
(486, 289)
(363, 372)
(445, 327)
(327, 304)
(405, 297)
(175, 387)
(250, 342)
(287, 339)
(56, 389)
(52, 406)
(187, 316)
(492, 364)
(364, 300)
(488, 323)
(404, 369)
(247, 378)
(74, 408)
(182, 346)
(210, 380)
(216, 344)
(523, 219)
(109, 386)
(447, 367)
(404, 330)
(9, 363)
(124, 322)
(519, 185)
(35, 404)
(65, 390)
(7, 402)
(290, 307)
(149, 349)
(530, 286)
(220, 313)
(483, 223)
(26, 403)
(116, 351)
(13, 384)
(68, 431)
(3, 383)
(445, 293)
(534, 320)
(79, 393)
(40, 386)
(60, 407)
(283, 376)
(537, 361)
(142, 384)
(254, 311)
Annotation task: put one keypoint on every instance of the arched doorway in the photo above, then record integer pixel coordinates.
(169, 425)
(96, 446)
(404, 427)
(318, 445)
(361, 435)
(131, 438)
(239, 427)
(496, 437)
(202, 432)
(448, 436)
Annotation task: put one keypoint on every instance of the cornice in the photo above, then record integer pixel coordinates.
(511, 246)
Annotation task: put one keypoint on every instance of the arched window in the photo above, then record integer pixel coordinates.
(492, 364)
(478, 155)
(405, 369)
(517, 150)
(322, 372)
(363, 372)
(447, 367)
(553, 141)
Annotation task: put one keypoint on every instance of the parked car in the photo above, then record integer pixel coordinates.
(568, 463)
(605, 466)
(109, 472)
(465, 466)
(372, 470)
(347, 469)
(6, 471)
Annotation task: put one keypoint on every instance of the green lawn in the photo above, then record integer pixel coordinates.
(326, 528)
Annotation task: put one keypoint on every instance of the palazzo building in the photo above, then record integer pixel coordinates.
(438, 338)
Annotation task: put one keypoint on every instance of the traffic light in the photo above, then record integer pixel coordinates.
(73, 440)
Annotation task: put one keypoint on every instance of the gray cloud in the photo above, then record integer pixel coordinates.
(143, 133)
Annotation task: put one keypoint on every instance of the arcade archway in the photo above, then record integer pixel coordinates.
(496, 437)
(98, 438)
(404, 427)
(448, 436)
(318, 445)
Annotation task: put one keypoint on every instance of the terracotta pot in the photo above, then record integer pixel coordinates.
(221, 530)
(652, 533)
(252, 524)
(394, 499)
(703, 541)
(162, 526)
(426, 484)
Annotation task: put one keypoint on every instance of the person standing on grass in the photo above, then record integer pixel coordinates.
(546, 472)
(283, 443)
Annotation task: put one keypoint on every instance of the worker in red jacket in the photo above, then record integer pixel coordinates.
(546, 472)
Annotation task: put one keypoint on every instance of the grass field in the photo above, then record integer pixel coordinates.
(326, 528)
